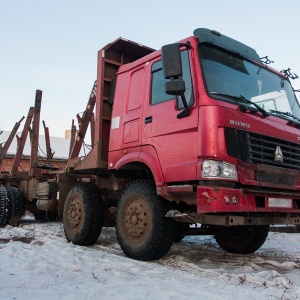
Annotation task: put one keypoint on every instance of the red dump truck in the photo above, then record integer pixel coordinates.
(199, 132)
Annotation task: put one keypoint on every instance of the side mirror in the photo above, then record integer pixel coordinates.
(175, 87)
(171, 61)
(172, 68)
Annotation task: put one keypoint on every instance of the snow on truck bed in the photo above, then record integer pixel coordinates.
(36, 262)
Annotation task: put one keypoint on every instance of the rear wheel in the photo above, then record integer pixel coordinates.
(4, 206)
(16, 203)
(83, 214)
(241, 239)
(143, 231)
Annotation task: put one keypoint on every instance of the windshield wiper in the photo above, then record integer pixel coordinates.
(288, 114)
(243, 99)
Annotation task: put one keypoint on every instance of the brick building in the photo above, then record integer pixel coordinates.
(60, 147)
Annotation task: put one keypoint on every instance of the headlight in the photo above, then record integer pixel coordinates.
(218, 169)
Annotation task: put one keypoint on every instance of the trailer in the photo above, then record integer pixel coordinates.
(202, 131)
(22, 178)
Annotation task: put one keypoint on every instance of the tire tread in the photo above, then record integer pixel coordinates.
(242, 243)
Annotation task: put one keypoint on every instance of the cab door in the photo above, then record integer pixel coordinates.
(174, 140)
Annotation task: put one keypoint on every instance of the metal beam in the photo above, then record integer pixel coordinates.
(4, 149)
(35, 134)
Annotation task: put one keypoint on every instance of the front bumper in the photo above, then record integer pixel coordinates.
(227, 200)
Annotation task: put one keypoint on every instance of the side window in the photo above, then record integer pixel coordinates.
(136, 89)
(158, 94)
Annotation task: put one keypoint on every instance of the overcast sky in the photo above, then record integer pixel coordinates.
(52, 45)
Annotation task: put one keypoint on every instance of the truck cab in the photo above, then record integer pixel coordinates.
(241, 133)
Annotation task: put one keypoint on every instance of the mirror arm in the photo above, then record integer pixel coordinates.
(185, 112)
(187, 45)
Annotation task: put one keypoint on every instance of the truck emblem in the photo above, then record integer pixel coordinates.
(238, 123)
(278, 154)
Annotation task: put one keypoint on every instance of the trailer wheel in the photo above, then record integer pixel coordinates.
(4, 206)
(143, 231)
(16, 205)
(83, 214)
(241, 239)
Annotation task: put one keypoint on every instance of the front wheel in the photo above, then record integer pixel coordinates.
(241, 239)
(181, 231)
(143, 231)
(83, 214)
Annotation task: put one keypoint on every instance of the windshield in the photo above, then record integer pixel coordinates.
(228, 75)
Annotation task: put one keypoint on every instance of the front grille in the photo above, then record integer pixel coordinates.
(260, 149)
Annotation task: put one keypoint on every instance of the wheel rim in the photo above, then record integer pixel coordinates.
(75, 213)
(137, 220)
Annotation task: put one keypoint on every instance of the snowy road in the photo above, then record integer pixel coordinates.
(36, 262)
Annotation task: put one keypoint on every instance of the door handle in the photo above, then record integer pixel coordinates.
(148, 120)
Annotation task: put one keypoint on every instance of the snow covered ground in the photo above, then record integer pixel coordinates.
(36, 262)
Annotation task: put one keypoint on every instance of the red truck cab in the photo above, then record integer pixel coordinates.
(238, 148)
(145, 127)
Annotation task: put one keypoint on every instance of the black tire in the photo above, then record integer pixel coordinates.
(180, 234)
(4, 206)
(16, 204)
(241, 239)
(143, 231)
(83, 214)
(179, 237)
